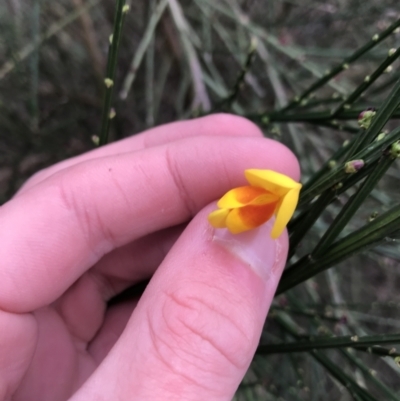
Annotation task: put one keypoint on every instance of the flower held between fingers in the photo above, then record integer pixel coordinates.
(244, 208)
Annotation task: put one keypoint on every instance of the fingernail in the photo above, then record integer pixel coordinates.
(256, 248)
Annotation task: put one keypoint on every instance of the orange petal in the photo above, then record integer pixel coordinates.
(247, 195)
(248, 217)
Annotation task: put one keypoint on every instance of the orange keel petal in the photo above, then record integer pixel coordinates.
(239, 197)
(249, 217)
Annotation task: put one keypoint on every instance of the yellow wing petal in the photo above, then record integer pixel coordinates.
(270, 180)
(285, 212)
(235, 224)
(217, 218)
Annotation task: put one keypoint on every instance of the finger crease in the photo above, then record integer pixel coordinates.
(183, 193)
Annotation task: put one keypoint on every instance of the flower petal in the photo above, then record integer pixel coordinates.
(217, 218)
(247, 195)
(272, 181)
(248, 217)
(285, 212)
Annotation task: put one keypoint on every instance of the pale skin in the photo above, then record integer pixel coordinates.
(82, 231)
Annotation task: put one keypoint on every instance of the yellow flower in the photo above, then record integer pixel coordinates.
(245, 208)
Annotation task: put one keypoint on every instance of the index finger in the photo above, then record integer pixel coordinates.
(213, 125)
(57, 230)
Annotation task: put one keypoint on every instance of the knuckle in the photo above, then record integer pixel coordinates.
(175, 172)
(85, 214)
(203, 330)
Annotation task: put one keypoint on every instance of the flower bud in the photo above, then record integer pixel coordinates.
(365, 117)
(353, 166)
(380, 136)
(395, 149)
(108, 82)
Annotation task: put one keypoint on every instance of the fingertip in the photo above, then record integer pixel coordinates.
(231, 124)
(241, 126)
(289, 163)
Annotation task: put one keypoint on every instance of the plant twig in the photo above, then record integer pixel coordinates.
(379, 230)
(107, 114)
(376, 39)
(54, 29)
(227, 102)
(142, 47)
(310, 343)
(201, 101)
(92, 46)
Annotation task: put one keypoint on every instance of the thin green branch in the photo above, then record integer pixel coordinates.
(380, 229)
(368, 81)
(303, 225)
(34, 66)
(337, 372)
(150, 55)
(227, 102)
(236, 14)
(300, 225)
(352, 205)
(385, 112)
(201, 101)
(142, 47)
(329, 164)
(376, 39)
(54, 29)
(312, 117)
(368, 373)
(338, 174)
(107, 114)
(310, 343)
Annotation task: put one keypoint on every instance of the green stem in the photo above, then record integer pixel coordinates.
(53, 30)
(309, 219)
(367, 236)
(376, 39)
(385, 112)
(312, 117)
(150, 72)
(337, 372)
(227, 102)
(368, 373)
(311, 212)
(352, 205)
(311, 343)
(369, 155)
(368, 81)
(336, 157)
(110, 70)
(144, 44)
(34, 66)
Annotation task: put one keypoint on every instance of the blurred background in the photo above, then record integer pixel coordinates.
(182, 59)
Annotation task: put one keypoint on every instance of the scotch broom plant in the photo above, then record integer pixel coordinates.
(323, 78)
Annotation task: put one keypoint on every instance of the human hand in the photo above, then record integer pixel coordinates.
(82, 231)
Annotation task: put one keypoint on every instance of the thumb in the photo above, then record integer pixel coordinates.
(197, 326)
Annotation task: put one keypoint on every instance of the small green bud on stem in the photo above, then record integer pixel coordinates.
(353, 166)
(365, 118)
(395, 149)
(108, 82)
